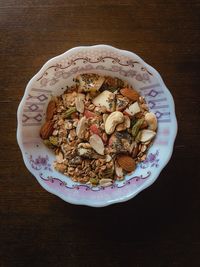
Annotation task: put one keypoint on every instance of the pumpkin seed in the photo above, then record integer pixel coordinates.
(136, 127)
(69, 112)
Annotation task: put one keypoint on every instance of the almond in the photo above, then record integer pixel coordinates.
(46, 130)
(130, 93)
(51, 108)
(97, 144)
(126, 162)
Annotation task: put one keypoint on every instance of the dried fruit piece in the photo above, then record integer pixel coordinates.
(113, 120)
(46, 130)
(97, 144)
(105, 99)
(130, 93)
(136, 127)
(69, 112)
(104, 138)
(89, 114)
(126, 162)
(51, 108)
(151, 120)
(94, 129)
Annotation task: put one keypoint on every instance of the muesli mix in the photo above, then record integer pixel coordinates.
(99, 129)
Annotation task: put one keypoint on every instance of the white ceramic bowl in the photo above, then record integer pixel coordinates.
(52, 79)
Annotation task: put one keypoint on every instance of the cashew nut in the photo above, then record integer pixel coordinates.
(113, 120)
(125, 125)
(151, 120)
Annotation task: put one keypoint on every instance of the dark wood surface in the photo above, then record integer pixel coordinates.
(161, 226)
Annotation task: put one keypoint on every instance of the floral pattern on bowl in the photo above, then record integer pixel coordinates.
(53, 79)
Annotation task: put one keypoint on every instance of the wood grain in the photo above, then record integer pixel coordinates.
(160, 227)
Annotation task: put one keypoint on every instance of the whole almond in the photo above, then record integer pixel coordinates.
(126, 162)
(50, 110)
(130, 93)
(46, 130)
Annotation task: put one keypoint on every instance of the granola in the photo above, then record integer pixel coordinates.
(99, 129)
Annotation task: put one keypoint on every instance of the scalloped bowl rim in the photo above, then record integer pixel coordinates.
(173, 135)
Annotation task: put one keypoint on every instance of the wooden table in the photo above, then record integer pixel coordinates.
(160, 227)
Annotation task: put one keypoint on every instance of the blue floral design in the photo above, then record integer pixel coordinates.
(151, 160)
(40, 163)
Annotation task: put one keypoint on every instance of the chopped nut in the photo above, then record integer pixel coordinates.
(60, 167)
(68, 125)
(97, 144)
(75, 123)
(108, 158)
(105, 99)
(79, 103)
(118, 170)
(105, 182)
(55, 132)
(81, 127)
(121, 103)
(72, 134)
(143, 157)
(133, 109)
(105, 116)
(84, 145)
(151, 121)
(143, 148)
(146, 135)
(91, 107)
(135, 150)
